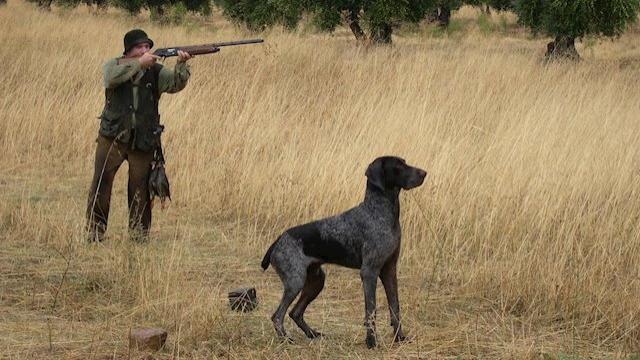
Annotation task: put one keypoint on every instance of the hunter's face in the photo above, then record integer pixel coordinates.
(138, 50)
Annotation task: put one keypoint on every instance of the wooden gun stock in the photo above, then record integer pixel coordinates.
(191, 50)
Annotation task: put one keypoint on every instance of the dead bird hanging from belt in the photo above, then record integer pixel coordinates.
(158, 181)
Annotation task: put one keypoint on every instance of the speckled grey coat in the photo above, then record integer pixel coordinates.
(366, 237)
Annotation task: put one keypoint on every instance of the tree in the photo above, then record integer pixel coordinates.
(101, 5)
(158, 7)
(501, 5)
(42, 4)
(568, 20)
(485, 5)
(444, 9)
(368, 19)
(46, 4)
(258, 15)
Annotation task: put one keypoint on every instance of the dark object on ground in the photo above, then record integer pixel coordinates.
(152, 339)
(243, 300)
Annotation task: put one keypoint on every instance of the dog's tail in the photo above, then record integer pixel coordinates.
(267, 257)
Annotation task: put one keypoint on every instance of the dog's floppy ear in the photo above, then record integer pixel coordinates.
(375, 174)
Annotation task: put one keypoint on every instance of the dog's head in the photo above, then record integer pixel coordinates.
(390, 172)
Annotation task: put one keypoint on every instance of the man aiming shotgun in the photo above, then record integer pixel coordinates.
(130, 128)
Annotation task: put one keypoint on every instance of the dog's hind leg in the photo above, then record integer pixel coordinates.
(292, 288)
(312, 287)
(293, 273)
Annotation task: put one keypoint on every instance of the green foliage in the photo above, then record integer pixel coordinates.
(488, 26)
(378, 16)
(501, 4)
(131, 6)
(577, 18)
(46, 4)
(157, 14)
(455, 30)
(68, 4)
(326, 18)
(504, 24)
(257, 15)
(202, 7)
(496, 4)
(452, 4)
(164, 11)
(177, 13)
(485, 25)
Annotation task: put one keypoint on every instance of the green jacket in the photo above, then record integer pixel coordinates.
(130, 112)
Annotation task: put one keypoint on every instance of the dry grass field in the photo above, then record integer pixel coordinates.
(524, 241)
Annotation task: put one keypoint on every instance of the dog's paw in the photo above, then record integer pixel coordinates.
(314, 334)
(400, 338)
(371, 341)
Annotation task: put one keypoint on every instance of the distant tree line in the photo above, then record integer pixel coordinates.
(375, 20)
(161, 10)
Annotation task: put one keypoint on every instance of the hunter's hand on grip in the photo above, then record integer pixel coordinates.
(183, 56)
(147, 60)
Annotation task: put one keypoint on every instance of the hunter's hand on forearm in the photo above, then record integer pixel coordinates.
(147, 60)
(183, 56)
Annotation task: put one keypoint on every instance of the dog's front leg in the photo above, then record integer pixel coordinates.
(369, 281)
(389, 278)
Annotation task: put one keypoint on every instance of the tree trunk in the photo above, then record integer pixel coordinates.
(444, 16)
(432, 15)
(354, 24)
(101, 5)
(381, 34)
(563, 47)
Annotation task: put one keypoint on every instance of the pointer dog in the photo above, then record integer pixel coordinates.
(366, 237)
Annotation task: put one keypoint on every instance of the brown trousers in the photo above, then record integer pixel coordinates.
(109, 156)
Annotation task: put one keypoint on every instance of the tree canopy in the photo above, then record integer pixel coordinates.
(372, 19)
(567, 20)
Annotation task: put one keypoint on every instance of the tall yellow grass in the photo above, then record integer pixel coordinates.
(523, 243)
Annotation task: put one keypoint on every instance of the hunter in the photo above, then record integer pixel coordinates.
(130, 129)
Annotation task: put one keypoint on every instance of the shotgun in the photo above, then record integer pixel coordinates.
(195, 49)
(202, 49)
